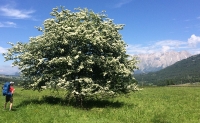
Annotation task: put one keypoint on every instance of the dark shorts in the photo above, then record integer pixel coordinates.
(9, 98)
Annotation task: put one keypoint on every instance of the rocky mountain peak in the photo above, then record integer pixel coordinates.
(157, 61)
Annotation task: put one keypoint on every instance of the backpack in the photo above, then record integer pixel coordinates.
(6, 89)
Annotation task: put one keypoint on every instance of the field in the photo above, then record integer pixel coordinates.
(150, 105)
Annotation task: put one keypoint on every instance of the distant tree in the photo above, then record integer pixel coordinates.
(170, 82)
(81, 52)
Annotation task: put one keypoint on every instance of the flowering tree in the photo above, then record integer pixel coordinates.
(80, 51)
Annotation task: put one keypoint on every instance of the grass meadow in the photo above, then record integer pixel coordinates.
(150, 105)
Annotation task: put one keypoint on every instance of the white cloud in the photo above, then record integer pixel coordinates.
(8, 24)
(8, 70)
(121, 3)
(6, 67)
(174, 43)
(160, 46)
(12, 12)
(2, 50)
(195, 50)
(165, 48)
(139, 49)
(166, 45)
(193, 40)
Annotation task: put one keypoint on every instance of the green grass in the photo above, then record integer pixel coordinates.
(150, 105)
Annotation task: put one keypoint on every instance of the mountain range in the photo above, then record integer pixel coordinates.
(183, 71)
(157, 61)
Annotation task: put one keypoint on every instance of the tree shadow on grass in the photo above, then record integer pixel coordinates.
(102, 104)
(87, 104)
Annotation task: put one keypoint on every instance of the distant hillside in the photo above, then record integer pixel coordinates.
(9, 78)
(184, 71)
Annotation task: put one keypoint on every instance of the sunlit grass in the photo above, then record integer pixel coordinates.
(151, 105)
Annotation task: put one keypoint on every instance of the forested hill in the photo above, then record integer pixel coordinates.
(184, 71)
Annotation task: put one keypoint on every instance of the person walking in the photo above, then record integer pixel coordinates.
(9, 98)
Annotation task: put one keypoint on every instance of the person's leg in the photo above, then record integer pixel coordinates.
(11, 106)
(7, 99)
(5, 105)
(11, 103)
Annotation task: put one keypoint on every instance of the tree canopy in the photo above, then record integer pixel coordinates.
(82, 52)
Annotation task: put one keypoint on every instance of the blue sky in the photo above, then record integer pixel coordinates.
(150, 25)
